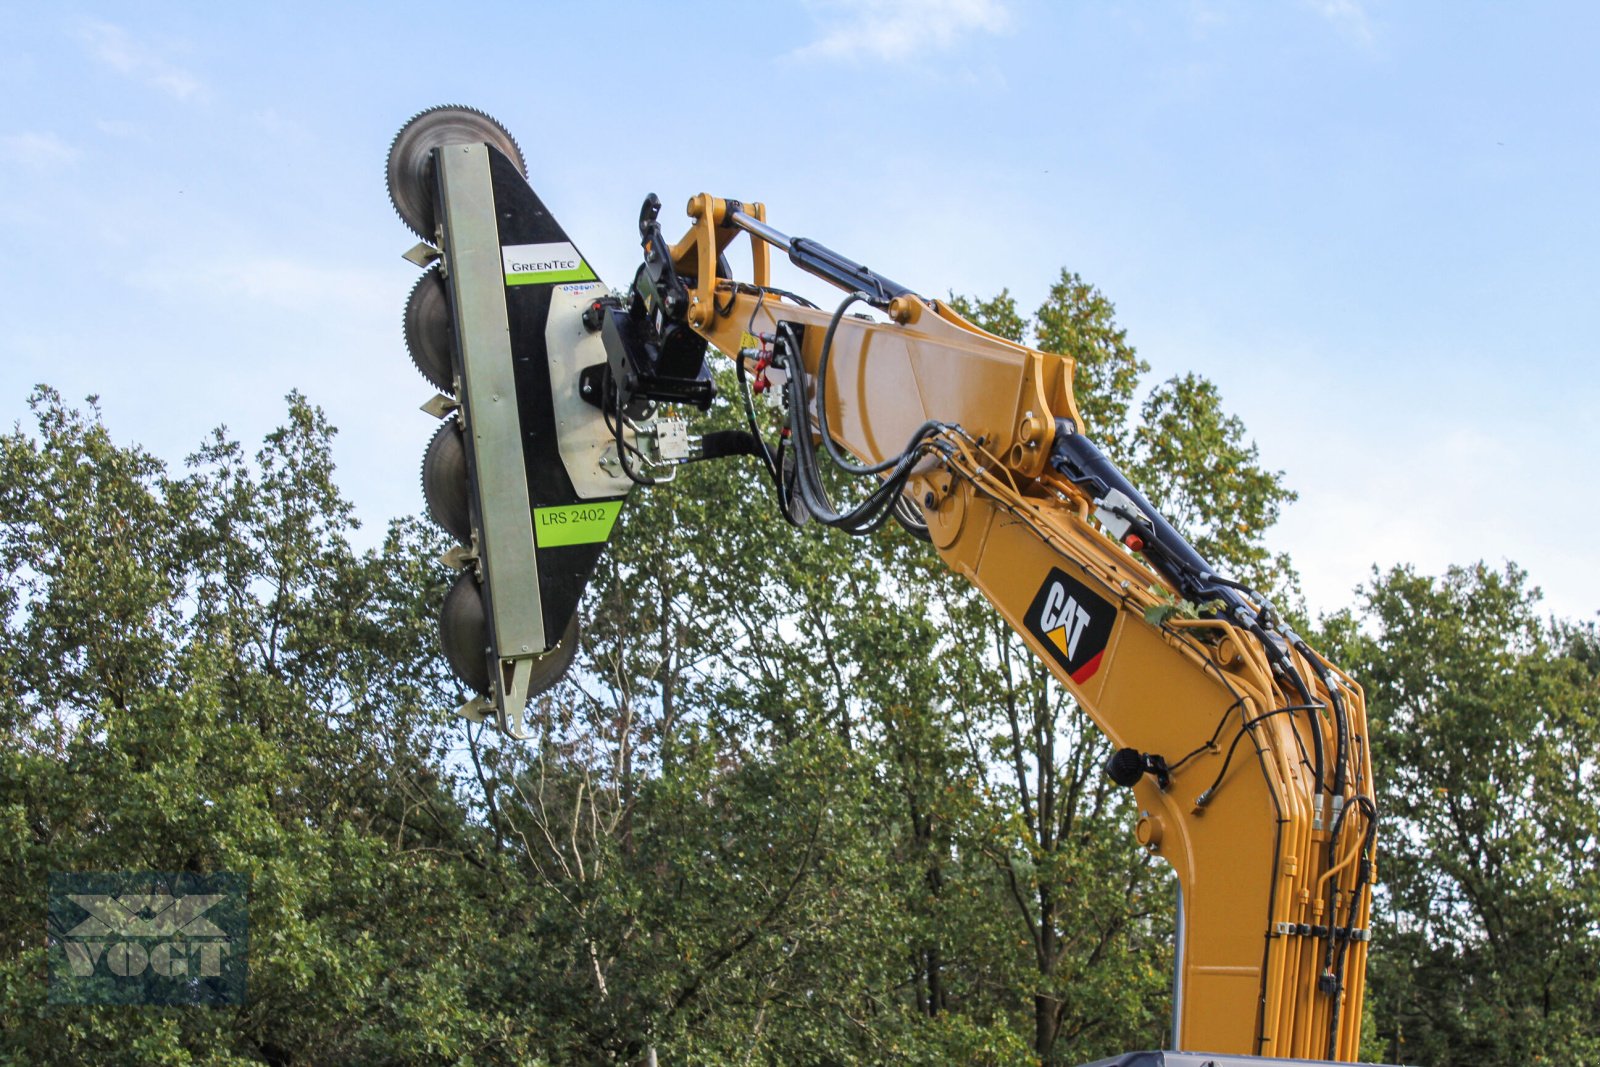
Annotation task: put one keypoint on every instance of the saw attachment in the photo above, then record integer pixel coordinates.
(464, 631)
(444, 481)
(410, 164)
(516, 473)
(551, 667)
(429, 337)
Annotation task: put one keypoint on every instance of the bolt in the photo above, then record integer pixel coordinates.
(928, 500)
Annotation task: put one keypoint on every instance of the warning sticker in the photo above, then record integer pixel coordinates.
(1073, 622)
(574, 524)
(545, 264)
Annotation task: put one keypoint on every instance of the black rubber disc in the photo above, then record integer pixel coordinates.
(551, 667)
(410, 164)
(444, 481)
(464, 632)
(429, 338)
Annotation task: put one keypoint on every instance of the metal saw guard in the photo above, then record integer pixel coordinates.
(545, 505)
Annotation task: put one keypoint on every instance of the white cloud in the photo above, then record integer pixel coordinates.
(118, 128)
(115, 48)
(42, 151)
(1349, 18)
(894, 31)
(1204, 14)
(1416, 494)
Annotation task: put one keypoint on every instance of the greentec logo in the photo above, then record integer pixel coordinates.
(575, 524)
(545, 264)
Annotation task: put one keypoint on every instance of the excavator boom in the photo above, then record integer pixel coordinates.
(1245, 749)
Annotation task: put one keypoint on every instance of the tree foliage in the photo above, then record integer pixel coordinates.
(805, 799)
(202, 676)
(1486, 725)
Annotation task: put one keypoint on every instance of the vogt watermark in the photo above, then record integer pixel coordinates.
(120, 937)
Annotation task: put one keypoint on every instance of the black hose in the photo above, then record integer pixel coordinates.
(840, 460)
(871, 513)
(1341, 718)
(1363, 882)
(623, 448)
(750, 420)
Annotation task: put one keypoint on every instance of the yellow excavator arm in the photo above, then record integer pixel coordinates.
(1247, 752)
(1245, 749)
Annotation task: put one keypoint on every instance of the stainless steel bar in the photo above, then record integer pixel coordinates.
(760, 229)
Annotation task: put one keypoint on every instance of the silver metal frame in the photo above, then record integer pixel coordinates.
(505, 541)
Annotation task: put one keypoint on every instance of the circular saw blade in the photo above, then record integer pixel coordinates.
(429, 337)
(464, 632)
(444, 481)
(410, 164)
(551, 667)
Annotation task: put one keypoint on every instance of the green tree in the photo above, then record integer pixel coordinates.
(805, 800)
(202, 676)
(1485, 723)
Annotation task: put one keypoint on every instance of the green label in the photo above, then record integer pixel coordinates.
(575, 524)
(544, 264)
(581, 274)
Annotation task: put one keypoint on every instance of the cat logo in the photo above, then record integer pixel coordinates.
(1073, 622)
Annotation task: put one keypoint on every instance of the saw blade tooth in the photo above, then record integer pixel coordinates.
(444, 481)
(427, 330)
(408, 168)
(464, 631)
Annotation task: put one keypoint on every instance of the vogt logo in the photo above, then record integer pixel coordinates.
(121, 938)
(119, 929)
(1073, 622)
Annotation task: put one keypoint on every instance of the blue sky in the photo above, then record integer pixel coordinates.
(1374, 225)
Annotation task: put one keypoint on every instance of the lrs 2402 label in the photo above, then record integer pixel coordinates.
(574, 524)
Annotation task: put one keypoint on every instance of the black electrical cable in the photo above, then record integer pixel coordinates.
(1212, 743)
(772, 290)
(623, 448)
(750, 419)
(1247, 727)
